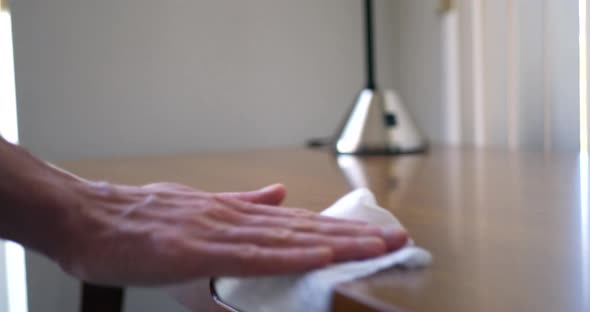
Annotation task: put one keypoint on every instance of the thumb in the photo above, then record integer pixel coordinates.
(270, 195)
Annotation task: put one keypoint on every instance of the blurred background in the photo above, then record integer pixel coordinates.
(116, 78)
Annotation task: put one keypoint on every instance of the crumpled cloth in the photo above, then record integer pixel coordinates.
(312, 291)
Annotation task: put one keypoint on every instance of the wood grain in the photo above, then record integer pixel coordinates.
(506, 228)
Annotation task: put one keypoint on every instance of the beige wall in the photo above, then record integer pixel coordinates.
(108, 78)
(418, 75)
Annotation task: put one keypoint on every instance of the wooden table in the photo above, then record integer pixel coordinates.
(509, 231)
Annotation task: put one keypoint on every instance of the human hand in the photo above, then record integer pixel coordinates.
(165, 233)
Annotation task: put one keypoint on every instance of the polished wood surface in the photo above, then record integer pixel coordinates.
(508, 230)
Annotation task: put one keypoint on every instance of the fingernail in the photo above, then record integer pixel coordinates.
(394, 235)
(391, 230)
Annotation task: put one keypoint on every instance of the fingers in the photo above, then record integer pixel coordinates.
(260, 209)
(270, 195)
(247, 234)
(344, 248)
(301, 220)
(247, 259)
(394, 237)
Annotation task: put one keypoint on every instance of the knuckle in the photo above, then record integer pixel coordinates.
(220, 230)
(281, 236)
(197, 222)
(247, 219)
(248, 205)
(239, 205)
(306, 214)
(224, 213)
(304, 226)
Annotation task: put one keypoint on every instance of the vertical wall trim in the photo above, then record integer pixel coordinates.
(583, 73)
(547, 105)
(451, 77)
(479, 126)
(587, 104)
(512, 74)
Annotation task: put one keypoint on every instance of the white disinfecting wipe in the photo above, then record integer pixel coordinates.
(311, 292)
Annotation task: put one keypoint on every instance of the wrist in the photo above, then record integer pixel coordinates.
(35, 199)
(52, 213)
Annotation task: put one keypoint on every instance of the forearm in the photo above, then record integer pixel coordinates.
(34, 198)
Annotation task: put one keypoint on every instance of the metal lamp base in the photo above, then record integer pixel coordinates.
(378, 124)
